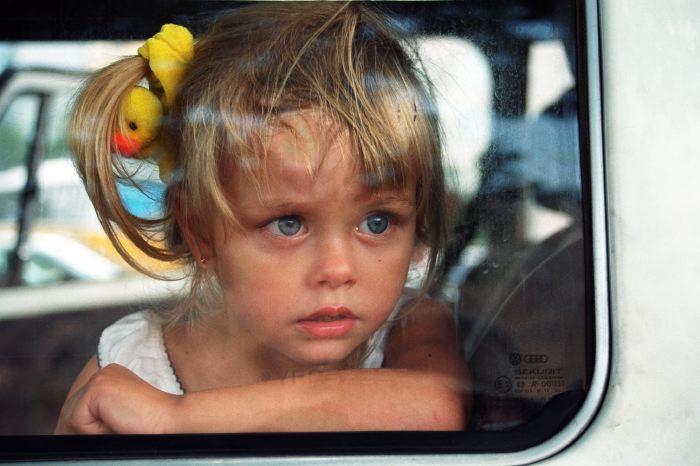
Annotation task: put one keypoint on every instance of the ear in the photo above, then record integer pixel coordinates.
(198, 241)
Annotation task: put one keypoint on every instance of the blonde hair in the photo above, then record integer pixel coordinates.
(251, 66)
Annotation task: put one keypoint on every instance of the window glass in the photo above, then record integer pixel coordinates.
(61, 239)
(514, 273)
(519, 278)
(62, 199)
(40, 270)
(17, 128)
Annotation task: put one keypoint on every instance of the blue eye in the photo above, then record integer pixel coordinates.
(286, 226)
(375, 224)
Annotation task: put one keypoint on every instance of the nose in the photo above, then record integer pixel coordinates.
(334, 265)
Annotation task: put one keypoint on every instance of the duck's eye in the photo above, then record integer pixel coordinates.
(133, 126)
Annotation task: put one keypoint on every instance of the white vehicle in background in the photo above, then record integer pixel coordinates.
(580, 330)
(54, 258)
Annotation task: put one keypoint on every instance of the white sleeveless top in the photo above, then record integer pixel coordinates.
(136, 342)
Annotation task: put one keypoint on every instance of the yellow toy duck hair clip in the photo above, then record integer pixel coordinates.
(168, 53)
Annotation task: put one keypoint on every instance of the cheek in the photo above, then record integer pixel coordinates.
(251, 279)
(389, 271)
(256, 297)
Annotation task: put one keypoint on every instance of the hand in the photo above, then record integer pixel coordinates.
(115, 400)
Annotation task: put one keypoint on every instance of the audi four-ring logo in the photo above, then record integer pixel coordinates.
(535, 358)
(516, 358)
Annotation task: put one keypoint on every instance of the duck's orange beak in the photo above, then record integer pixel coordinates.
(125, 145)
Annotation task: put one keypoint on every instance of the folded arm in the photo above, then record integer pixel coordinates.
(423, 386)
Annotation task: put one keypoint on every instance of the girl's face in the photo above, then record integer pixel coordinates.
(318, 262)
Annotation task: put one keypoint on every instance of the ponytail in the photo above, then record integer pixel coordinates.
(95, 118)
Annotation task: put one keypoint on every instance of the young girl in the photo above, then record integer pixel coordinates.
(302, 156)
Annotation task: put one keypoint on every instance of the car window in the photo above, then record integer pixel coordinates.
(16, 130)
(510, 93)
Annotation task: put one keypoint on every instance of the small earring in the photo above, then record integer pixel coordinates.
(203, 260)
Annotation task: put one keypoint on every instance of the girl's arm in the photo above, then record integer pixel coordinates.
(112, 400)
(424, 386)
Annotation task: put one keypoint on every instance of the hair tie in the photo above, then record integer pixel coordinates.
(169, 53)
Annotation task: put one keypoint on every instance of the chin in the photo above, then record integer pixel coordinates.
(324, 357)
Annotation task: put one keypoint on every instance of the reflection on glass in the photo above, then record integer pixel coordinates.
(518, 256)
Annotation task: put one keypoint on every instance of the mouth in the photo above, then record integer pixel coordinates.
(328, 322)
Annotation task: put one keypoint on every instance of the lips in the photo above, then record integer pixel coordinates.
(328, 322)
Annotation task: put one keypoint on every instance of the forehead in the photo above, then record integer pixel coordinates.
(309, 155)
(304, 142)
